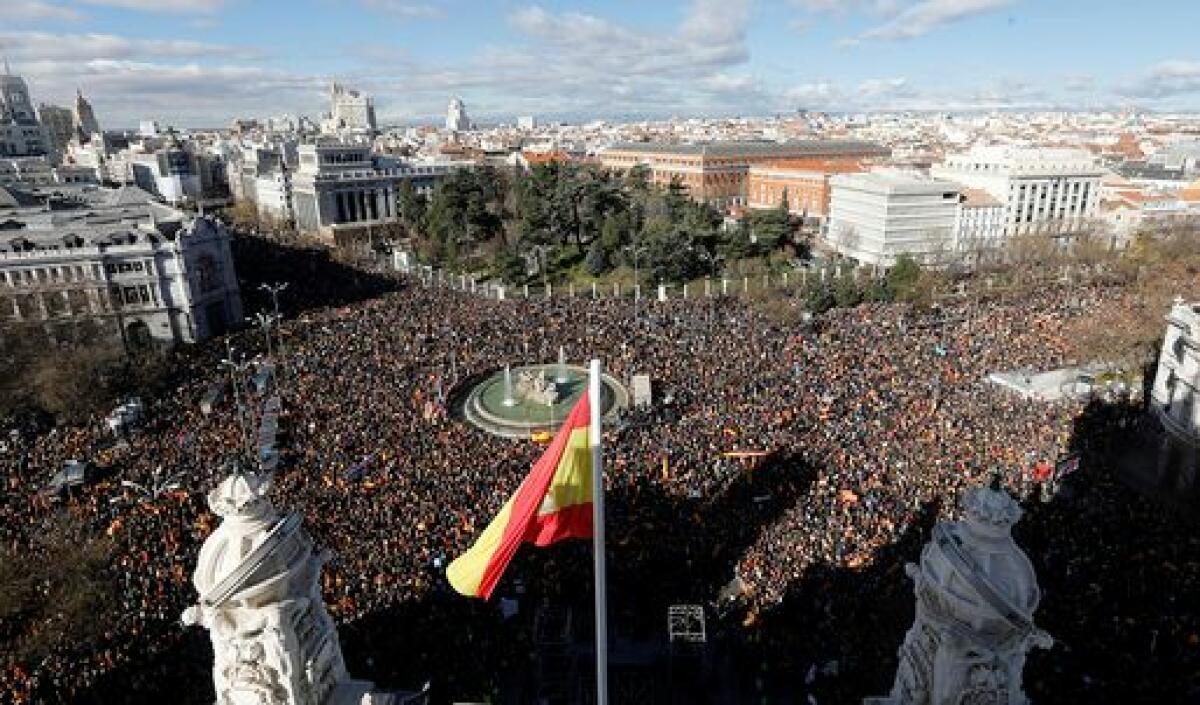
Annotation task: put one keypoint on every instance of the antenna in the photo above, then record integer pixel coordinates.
(7, 68)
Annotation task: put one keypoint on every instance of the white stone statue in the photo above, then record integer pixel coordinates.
(976, 595)
(535, 388)
(260, 598)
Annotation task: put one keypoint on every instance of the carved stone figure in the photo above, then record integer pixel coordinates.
(273, 641)
(976, 595)
(535, 388)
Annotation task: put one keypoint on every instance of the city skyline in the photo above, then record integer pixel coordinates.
(204, 62)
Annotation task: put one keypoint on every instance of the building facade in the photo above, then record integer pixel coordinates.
(59, 129)
(136, 268)
(86, 124)
(1175, 398)
(1044, 191)
(876, 217)
(719, 172)
(806, 191)
(350, 111)
(20, 133)
(456, 116)
(344, 186)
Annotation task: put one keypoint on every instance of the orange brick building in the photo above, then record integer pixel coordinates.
(719, 172)
(806, 189)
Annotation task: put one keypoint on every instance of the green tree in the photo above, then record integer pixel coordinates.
(903, 278)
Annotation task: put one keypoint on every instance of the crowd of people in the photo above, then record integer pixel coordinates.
(872, 421)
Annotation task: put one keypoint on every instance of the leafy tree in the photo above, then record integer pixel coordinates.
(596, 261)
(903, 278)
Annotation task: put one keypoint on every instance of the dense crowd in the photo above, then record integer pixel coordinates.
(868, 417)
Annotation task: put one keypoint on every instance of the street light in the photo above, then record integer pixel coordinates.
(264, 321)
(273, 290)
(237, 369)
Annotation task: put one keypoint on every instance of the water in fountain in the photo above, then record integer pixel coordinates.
(561, 377)
(509, 400)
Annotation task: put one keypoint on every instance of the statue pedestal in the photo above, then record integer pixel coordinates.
(260, 598)
(976, 594)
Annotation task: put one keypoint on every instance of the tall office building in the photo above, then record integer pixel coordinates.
(456, 116)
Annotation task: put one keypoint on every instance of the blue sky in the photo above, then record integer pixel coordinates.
(203, 62)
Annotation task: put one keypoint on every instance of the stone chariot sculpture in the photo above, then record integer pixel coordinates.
(273, 641)
(976, 595)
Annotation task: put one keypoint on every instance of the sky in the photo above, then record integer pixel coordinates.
(201, 63)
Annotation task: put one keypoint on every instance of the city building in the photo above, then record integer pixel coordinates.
(116, 258)
(169, 172)
(979, 228)
(33, 172)
(526, 122)
(58, 126)
(1044, 191)
(806, 191)
(20, 133)
(1175, 397)
(350, 111)
(86, 124)
(341, 186)
(718, 172)
(875, 217)
(456, 116)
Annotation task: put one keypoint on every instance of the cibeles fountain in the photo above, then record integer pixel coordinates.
(258, 579)
(976, 594)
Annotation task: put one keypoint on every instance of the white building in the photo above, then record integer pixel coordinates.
(343, 186)
(456, 116)
(875, 217)
(1044, 191)
(116, 258)
(1175, 398)
(979, 229)
(170, 172)
(20, 133)
(350, 111)
(526, 122)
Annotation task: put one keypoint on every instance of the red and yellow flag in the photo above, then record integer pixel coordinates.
(553, 503)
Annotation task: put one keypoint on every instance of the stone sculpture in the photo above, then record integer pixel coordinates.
(273, 641)
(535, 388)
(976, 594)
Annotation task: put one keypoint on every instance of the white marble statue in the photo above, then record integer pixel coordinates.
(535, 388)
(273, 642)
(976, 595)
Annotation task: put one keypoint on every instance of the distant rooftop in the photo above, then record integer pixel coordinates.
(816, 148)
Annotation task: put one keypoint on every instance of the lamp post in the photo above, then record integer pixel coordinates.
(238, 369)
(264, 321)
(273, 290)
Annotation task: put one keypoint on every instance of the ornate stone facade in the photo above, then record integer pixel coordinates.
(260, 598)
(976, 594)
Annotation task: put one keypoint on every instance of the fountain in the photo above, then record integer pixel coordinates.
(560, 375)
(509, 399)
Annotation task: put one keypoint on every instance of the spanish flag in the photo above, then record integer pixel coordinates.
(553, 503)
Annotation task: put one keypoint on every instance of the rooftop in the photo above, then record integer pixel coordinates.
(755, 148)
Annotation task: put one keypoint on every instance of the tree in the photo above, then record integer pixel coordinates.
(903, 277)
(412, 207)
(596, 261)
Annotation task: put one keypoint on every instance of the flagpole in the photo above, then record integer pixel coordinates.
(598, 536)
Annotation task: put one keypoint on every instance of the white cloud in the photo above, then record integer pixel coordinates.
(25, 10)
(162, 5)
(33, 46)
(405, 9)
(1164, 81)
(928, 15)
